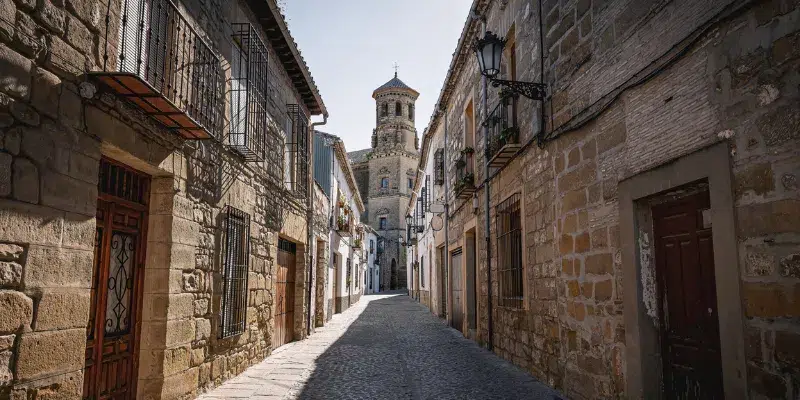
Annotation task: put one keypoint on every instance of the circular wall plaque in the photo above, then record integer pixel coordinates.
(437, 223)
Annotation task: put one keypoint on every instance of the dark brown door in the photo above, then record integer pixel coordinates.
(458, 292)
(114, 324)
(687, 290)
(284, 294)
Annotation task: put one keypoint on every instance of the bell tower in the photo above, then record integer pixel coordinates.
(395, 112)
(392, 170)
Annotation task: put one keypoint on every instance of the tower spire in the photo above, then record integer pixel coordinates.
(395, 69)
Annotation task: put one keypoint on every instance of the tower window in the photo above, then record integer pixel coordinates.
(385, 110)
(411, 112)
(384, 183)
(382, 223)
(398, 109)
(410, 183)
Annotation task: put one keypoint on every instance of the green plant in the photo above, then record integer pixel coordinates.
(509, 135)
(467, 150)
(460, 163)
(469, 179)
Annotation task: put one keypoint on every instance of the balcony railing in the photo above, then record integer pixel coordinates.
(344, 225)
(503, 133)
(465, 178)
(154, 58)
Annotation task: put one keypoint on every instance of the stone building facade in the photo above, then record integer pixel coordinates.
(386, 173)
(135, 262)
(667, 127)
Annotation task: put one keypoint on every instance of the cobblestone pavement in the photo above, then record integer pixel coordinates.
(384, 347)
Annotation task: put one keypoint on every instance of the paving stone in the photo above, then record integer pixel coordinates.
(384, 347)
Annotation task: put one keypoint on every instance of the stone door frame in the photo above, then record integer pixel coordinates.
(641, 337)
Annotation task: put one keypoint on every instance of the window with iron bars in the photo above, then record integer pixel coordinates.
(509, 252)
(438, 167)
(248, 95)
(296, 160)
(234, 272)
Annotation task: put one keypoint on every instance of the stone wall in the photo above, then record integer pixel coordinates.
(636, 85)
(51, 141)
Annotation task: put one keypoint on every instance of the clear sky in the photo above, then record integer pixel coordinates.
(351, 46)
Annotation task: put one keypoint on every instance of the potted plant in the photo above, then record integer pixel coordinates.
(468, 180)
(460, 163)
(342, 223)
(467, 150)
(509, 135)
(357, 243)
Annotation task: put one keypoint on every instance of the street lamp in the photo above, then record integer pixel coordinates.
(489, 51)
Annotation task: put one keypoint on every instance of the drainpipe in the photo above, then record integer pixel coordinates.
(310, 223)
(446, 222)
(487, 229)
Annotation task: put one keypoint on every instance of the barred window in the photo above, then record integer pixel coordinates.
(509, 252)
(296, 160)
(235, 265)
(438, 167)
(248, 94)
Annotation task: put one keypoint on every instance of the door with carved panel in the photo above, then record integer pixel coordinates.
(112, 332)
(284, 294)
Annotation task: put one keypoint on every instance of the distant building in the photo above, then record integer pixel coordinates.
(386, 172)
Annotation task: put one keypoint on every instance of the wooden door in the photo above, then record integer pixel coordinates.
(440, 259)
(284, 294)
(458, 305)
(687, 290)
(112, 332)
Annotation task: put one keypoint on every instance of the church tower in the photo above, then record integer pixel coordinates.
(392, 169)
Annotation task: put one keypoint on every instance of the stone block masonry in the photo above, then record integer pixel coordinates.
(54, 132)
(717, 74)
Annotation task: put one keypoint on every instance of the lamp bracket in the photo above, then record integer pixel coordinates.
(531, 90)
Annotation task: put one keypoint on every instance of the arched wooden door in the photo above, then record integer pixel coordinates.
(284, 294)
(112, 332)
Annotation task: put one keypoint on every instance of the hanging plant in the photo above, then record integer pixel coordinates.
(460, 163)
(468, 150)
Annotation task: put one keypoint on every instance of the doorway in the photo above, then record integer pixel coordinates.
(284, 294)
(440, 259)
(458, 292)
(684, 256)
(112, 347)
(393, 282)
(471, 290)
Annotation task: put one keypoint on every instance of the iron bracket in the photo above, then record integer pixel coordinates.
(531, 90)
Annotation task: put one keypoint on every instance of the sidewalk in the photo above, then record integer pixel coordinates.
(287, 369)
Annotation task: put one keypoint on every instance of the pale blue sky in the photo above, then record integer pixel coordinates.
(351, 45)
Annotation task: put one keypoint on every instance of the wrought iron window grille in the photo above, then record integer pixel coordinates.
(503, 139)
(248, 94)
(155, 59)
(296, 165)
(235, 270)
(438, 167)
(509, 252)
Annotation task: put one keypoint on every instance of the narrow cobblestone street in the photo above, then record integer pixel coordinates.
(384, 347)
